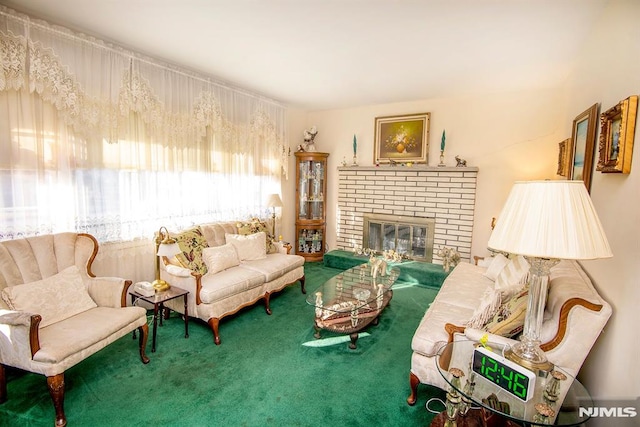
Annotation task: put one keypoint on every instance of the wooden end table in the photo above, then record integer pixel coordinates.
(158, 300)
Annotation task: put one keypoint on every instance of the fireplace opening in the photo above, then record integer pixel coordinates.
(409, 236)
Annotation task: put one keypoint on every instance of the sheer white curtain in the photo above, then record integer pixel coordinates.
(98, 139)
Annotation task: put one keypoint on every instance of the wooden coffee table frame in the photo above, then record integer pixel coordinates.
(341, 323)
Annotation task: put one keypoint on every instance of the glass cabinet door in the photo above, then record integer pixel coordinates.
(310, 187)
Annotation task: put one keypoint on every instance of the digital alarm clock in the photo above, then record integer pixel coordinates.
(513, 378)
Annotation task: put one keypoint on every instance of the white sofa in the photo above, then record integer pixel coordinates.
(213, 296)
(54, 312)
(574, 317)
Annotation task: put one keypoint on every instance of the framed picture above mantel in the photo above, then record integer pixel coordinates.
(617, 130)
(401, 139)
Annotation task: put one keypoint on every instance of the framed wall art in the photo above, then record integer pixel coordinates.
(402, 138)
(564, 158)
(617, 130)
(583, 137)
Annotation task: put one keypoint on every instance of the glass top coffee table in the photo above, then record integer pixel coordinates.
(349, 302)
(504, 393)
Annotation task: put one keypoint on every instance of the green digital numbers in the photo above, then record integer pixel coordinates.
(503, 373)
(520, 384)
(506, 375)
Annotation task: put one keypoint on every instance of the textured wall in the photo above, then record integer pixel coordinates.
(448, 194)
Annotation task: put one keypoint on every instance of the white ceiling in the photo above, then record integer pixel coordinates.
(326, 54)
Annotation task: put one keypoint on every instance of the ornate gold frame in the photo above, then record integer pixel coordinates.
(617, 130)
(413, 129)
(583, 141)
(564, 157)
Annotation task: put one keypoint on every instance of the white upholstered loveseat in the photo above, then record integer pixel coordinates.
(54, 312)
(574, 317)
(238, 283)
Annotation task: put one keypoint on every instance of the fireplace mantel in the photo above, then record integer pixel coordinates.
(414, 167)
(447, 194)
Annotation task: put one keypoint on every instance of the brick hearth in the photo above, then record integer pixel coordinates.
(447, 194)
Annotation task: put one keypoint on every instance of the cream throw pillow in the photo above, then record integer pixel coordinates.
(513, 277)
(497, 264)
(218, 258)
(249, 247)
(55, 298)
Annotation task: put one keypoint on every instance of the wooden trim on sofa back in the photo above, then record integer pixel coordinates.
(563, 322)
(93, 254)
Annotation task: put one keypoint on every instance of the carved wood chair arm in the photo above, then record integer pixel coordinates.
(34, 337)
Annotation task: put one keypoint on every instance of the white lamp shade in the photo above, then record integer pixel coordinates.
(550, 219)
(274, 201)
(168, 249)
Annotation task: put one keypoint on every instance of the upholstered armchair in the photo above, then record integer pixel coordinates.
(54, 312)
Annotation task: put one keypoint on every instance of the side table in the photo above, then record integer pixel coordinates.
(158, 300)
(555, 399)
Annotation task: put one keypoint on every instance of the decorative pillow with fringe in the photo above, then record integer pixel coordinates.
(509, 320)
(489, 305)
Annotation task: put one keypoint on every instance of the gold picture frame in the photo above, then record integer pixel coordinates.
(564, 158)
(400, 139)
(617, 130)
(583, 140)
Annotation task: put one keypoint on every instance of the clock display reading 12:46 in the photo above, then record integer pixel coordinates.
(513, 378)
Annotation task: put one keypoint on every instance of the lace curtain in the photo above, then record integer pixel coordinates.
(102, 140)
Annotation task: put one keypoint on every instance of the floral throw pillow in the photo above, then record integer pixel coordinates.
(255, 225)
(191, 243)
(509, 320)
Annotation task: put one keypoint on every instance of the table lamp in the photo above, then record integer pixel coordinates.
(274, 201)
(546, 221)
(165, 246)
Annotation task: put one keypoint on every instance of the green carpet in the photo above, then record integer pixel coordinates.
(422, 273)
(269, 370)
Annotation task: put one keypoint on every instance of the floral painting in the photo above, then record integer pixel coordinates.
(402, 138)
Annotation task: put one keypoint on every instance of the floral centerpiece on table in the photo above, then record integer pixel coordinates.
(450, 257)
(391, 255)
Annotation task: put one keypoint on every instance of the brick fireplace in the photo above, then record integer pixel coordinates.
(446, 194)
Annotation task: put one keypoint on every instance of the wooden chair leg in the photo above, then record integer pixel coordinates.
(267, 303)
(304, 291)
(56, 390)
(144, 334)
(213, 323)
(3, 385)
(413, 385)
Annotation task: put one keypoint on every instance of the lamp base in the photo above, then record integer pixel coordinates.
(534, 362)
(160, 285)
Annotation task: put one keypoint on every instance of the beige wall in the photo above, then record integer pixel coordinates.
(608, 71)
(514, 136)
(508, 136)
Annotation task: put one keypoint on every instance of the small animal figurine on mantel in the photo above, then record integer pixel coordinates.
(460, 163)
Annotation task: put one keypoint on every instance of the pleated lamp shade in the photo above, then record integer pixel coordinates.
(274, 201)
(550, 219)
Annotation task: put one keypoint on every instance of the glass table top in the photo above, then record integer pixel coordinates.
(354, 288)
(554, 397)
